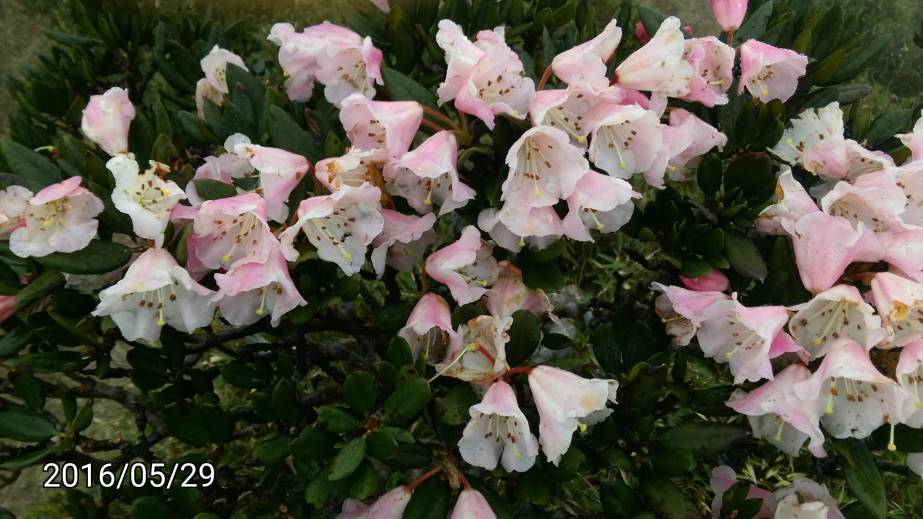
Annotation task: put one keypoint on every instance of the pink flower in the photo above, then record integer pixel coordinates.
(429, 328)
(385, 127)
(223, 168)
(681, 310)
(773, 406)
(402, 240)
(910, 180)
(230, 231)
(428, 176)
(914, 140)
(14, 201)
(723, 478)
(685, 140)
(587, 62)
(7, 307)
(626, 141)
(250, 289)
(513, 229)
(769, 72)
(155, 291)
(791, 203)
(807, 499)
(825, 245)
(146, 197)
(714, 281)
(566, 402)
(280, 171)
(59, 218)
(729, 13)
(599, 202)
(816, 143)
(485, 78)
(471, 504)
(107, 119)
(855, 397)
(573, 110)
(509, 294)
(544, 169)
(658, 66)
(390, 505)
(741, 336)
(641, 33)
(899, 301)
(353, 169)
(477, 352)
(873, 200)
(836, 313)
(467, 267)
(214, 86)
(498, 430)
(909, 374)
(341, 226)
(904, 251)
(712, 70)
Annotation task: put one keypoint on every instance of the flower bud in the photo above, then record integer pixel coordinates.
(107, 119)
(729, 13)
(7, 307)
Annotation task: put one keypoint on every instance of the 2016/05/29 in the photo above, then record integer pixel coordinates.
(137, 474)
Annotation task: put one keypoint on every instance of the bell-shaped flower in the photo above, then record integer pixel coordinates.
(855, 397)
(702, 138)
(471, 504)
(145, 197)
(712, 64)
(729, 13)
(914, 140)
(681, 310)
(909, 374)
(155, 291)
(59, 218)
(574, 110)
(498, 432)
(214, 86)
(477, 352)
(805, 499)
(904, 251)
(873, 199)
(341, 226)
(566, 402)
(353, 169)
(601, 203)
(836, 313)
(863, 161)
(714, 281)
(790, 203)
(485, 78)
(815, 141)
(229, 231)
(467, 267)
(741, 336)
(385, 127)
(349, 70)
(778, 416)
(224, 168)
(390, 505)
(512, 229)
(280, 171)
(544, 168)
(825, 245)
(250, 290)
(429, 327)
(107, 119)
(910, 180)
(627, 141)
(428, 176)
(509, 294)
(769, 72)
(586, 62)
(399, 243)
(658, 66)
(14, 201)
(899, 301)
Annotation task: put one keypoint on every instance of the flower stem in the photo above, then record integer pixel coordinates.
(525, 370)
(730, 38)
(545, 77)
(432, 125)
(419, 481)
(436, 114)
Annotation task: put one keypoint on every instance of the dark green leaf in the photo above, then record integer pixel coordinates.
(98, 257)
(702, 438)
(744, 257)
(429, 501)
(359, 392)
(406, 401)
(210, 189)
(348, 459)
(863, 477)
(29, 165)
(403, 88)
(525, 335)
(25, 426)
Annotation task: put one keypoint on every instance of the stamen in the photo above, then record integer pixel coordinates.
(260, 310)
(829, 408)
(891, 445)
(467, 349)
(778, 436)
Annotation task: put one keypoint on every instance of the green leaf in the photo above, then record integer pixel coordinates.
(210, 189)
(29, 165)
(288, 135)
(863, 477)
(756, 23)
(429, 501)
(651, 18)
(382, 444)
(187, 424)
(400, 33)
(455, 404)
(364, 482)
(25, 426)
(620, 501)
(525, 335)
(336, 419)
(665, 497)
(709, 174)
(25, 460)
(744, 257)
(406, 401)
(151, 507)
(272, 449)
(99, 257)
(703, 438)
(359, 392)
(886, 125)
(399, 352)
(348, 459)
(546, 275)
(403, 88)
(313, 444)
(14, 341)
(243, 376)
(50, 361)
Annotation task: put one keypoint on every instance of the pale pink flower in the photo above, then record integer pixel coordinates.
(723, 478)
(791, 202)
(353, 169)
(909, 374)
(250, 290)
(741, 336)
(155, 291)
(280, 171)
(7, 307)
(815, 141)
(626, 141)
(471, 504)
(107, 119)
(512, 229)
(477, 351)
(874, 200)
(714, 281)
(805, 499)
(390, 505)
(601, 203)
(702, 138)
(712, 64)
(783, 343)
(825, 245)
(904, 251)
(586, 62)
(509, 294)
(467, 267)
(402, 241)
(681, 310)
(899, 301)
(863, 161)
(341, 226)
(429, 327)
(145, 197)
(230, 231)
(385, 127)
(59, 218)
(836, 313)
(855, 397)
(544, 168)
(485, 78)
(914, 140)
(658, 66)
(910, 180)
(729, 13)
(498, 431)
(223, 168)
(428, 176)
(14, 201)
(769, 72)
(572, 110)
(566, 402)
(778, 416)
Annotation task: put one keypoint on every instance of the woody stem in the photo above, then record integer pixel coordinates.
(525, 370)
(730, 38)
(545, 77)
(419, 481)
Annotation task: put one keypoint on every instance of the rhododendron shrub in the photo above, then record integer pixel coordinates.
(442, 259)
